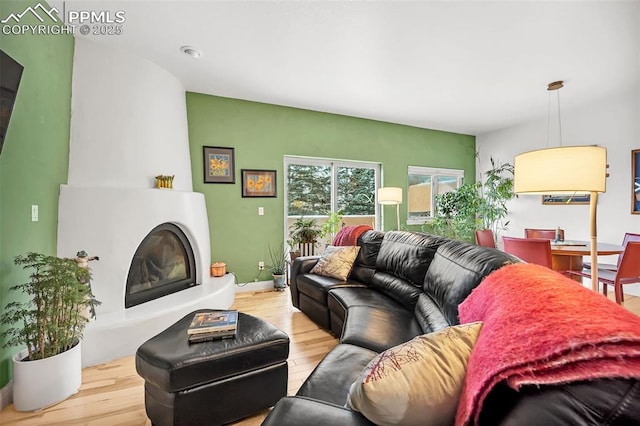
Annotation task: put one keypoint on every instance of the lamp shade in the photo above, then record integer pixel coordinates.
(564, 170)
(390, 195)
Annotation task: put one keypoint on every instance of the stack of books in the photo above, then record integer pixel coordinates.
(213, 325)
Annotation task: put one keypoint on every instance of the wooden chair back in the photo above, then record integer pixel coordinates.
(485, 238)
(628, 237)
(549, 234)
(531, 250)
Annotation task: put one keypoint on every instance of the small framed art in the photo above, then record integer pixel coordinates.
(635, 181)
(219, 164)
(258, 183)
(566, 199)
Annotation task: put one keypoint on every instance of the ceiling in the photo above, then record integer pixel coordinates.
(464, 66)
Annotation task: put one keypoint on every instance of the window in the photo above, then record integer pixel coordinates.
(424, 184)
(315, 187)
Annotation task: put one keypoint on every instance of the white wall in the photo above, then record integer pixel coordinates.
(128, 121)
(613, 123)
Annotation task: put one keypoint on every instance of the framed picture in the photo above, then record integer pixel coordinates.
(258, 183)
(635, 181)
(219, 165)
(566, 199)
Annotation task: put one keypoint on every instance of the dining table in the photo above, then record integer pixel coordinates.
(567, 255)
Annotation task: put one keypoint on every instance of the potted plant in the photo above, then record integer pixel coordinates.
(331, 226)
(302, 232)
(49, 322)
(495, 192)
(474, 206)
(278, 267)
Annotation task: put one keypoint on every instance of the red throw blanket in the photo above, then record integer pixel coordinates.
(348, 235)
(543, 328)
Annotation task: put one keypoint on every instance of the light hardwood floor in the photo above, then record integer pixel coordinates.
(113, 394)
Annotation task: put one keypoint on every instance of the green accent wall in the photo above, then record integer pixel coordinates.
(34, 159)
(263, 134)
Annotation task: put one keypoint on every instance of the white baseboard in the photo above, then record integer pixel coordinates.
(6, 395)
(254, 286)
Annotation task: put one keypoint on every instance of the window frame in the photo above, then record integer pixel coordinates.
(434, 173)
(334, 164)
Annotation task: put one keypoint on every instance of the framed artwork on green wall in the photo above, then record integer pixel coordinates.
(258, 183)
(219, 165)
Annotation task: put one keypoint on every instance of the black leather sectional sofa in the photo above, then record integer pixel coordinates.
(404, 284)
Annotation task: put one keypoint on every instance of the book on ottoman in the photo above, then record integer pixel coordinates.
(212, 335)
(213, 322)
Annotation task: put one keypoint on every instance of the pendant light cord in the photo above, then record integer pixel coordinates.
(559, 118)
(555, 86)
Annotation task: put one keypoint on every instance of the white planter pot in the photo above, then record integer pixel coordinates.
(44, 382)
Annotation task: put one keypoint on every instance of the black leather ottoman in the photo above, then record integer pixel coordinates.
(215, 382)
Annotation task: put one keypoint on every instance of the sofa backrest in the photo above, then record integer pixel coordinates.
(365, 264)
(402, 263)
(457, 268)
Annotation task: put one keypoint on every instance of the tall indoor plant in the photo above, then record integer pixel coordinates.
(496, 190)
(49, 323)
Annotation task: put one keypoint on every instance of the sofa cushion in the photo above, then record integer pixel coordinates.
(457, 268)
(429, 315)
(365, 264)
(297, 410)
(590, 402)
(342, 298)
(316, 287)
(331, 379)
(407, 255)
(380, 328)
(402, 263)
(418, 382)
(336, 262)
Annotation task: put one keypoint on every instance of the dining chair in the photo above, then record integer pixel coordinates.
(485, 238)
(549, 234)
(628, 271)
(531, 250)
(628, 236)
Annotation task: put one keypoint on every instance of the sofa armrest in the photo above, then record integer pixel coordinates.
(295, 411)
(302, 265)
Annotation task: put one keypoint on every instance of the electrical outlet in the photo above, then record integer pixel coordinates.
(261, 266)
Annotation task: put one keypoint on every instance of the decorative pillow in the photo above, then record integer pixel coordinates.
(336, 262)
(418, 382)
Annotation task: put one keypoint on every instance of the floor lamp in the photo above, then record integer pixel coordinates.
(391, 195)
(566, 170)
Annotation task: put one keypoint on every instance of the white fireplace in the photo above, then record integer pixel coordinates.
(128, 125)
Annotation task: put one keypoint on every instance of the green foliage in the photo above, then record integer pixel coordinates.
(356, 191)
(332, 225)
(456, 213)
(309, 189)
(303, 231)
(474, 206)
(278, 260)
(52, 320)
(496, 191)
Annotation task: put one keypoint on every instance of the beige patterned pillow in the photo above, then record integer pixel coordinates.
(336, 262)
(418, 382)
